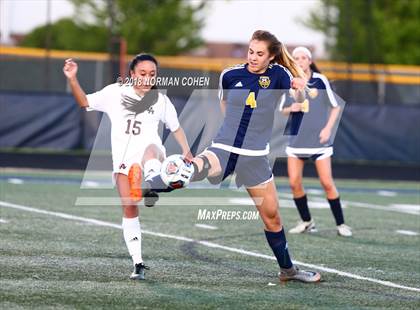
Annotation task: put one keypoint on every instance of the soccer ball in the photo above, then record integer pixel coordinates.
(176, 172)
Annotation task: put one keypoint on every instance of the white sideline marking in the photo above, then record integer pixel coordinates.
(407, 232)
(315, 191)
(91, 184)
(415, 209)
(208, 244)
(205, 226)
(3, 221)
(386, 193)
(15, 181)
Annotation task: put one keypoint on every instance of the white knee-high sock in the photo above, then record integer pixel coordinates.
(151, 168)
(132, 237)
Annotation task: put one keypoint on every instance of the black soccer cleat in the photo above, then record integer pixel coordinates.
(150, 197)
(138, 272)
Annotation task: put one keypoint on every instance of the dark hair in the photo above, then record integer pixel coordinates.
(150, 98)
(142, 57)
(276, 48)
(314, 68)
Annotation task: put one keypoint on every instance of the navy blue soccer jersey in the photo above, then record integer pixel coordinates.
(251, 101)
(304, 128)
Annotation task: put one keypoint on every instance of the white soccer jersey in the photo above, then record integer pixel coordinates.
(131, 134)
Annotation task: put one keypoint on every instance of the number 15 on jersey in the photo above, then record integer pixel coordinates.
(135, 129)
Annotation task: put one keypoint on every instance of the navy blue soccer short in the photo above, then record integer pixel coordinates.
(250, 170)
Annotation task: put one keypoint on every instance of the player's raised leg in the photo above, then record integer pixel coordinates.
(152, 163)
(205, 165)
(265, 199)
(131, 226)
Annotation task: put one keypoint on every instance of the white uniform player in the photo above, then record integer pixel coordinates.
(130, 133)
(135, 112)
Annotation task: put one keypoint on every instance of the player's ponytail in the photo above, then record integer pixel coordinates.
(286, 60)
(281, 55)
(314, 68)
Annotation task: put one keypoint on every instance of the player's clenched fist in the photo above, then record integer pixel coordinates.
(298, 83)
(70, 68)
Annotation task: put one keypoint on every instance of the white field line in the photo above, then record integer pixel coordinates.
(407, 232)
(207, 244)
(205, 226)
(386, 193)
(16, 181)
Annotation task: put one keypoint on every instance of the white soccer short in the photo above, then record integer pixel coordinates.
(122, 164)
(310, 153)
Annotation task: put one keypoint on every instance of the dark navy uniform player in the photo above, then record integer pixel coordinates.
(249, 94)
(310, 129)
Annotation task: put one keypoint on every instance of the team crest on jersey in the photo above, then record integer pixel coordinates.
(264, 81)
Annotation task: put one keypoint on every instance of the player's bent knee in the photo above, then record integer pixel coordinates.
(200, 175)
(151, 152)
(328, 186)
(272, 224)
(295, 184)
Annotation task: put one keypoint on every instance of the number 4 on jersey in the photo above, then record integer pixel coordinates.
(251, 100)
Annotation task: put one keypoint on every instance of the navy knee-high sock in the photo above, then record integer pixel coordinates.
(336, 210)
(302, 206)
(278, 243)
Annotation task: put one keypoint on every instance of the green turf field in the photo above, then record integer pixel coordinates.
(52, 260)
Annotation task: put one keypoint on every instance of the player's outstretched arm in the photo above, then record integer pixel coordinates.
(70, 71)
(180, 137)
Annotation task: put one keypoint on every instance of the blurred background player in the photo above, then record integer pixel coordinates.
(244, 149)
(311, 139)
(135, 110)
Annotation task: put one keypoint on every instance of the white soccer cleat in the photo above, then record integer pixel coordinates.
(303, 227)
(344, 230)
(296, 274)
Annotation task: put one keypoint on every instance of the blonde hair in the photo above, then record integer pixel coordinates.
(281, 55)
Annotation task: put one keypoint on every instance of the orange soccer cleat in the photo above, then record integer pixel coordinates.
(134, 179)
